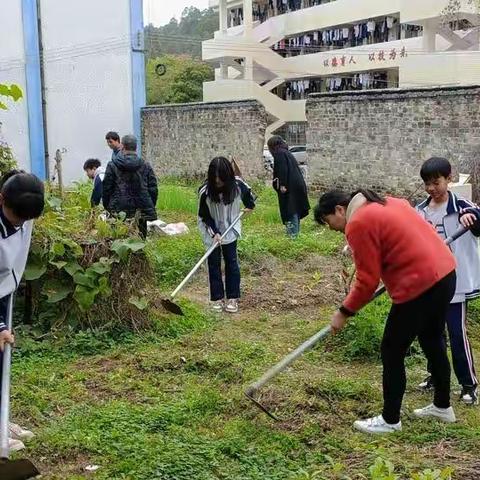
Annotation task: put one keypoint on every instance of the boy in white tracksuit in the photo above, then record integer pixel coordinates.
(443, 210)
(21, 200)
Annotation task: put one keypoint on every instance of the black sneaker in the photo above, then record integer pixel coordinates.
(427, 384)
(469, 395)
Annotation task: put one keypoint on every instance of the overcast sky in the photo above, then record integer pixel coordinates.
(159, 12)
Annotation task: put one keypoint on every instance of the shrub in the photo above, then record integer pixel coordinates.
(7, 162)
(86, 272)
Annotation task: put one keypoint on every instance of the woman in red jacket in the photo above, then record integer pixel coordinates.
(390, 242)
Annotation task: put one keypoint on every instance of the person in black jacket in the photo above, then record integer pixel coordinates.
(290, 186)
(130, 185)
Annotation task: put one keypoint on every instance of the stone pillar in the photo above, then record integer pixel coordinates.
(429, 36)
(248, 68)
(248, 17)
(223, 14)
(223, 71)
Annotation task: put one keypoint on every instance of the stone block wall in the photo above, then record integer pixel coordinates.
(181, 140)
(379, 139)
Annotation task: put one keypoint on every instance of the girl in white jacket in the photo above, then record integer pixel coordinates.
(21, 200)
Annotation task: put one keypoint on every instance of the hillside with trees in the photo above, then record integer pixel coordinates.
(177, 48)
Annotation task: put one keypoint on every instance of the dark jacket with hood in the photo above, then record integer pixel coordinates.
(130, 185)
(287, 173)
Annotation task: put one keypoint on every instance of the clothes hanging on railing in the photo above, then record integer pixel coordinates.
(385, 29)
(359, 81)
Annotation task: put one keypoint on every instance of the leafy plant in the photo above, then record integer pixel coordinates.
(76, 258)
(12, 92)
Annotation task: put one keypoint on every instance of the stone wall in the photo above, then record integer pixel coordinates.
(181, 140)
(379, 139)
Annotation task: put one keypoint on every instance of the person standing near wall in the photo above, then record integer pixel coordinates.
(290, 186)
(130, 185)
(113, 141)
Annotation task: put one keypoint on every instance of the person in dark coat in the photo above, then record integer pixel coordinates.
(290, 186)
(130, 185)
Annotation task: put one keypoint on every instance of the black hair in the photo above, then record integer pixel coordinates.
(129, 142)
(92, 163)
(328, 201)
(276, 142)
(112, 136)
(220, 167)
(23, 193)
(434, 168)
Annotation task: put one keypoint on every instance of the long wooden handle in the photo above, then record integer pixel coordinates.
(205, 256)
(311, 342)
(5, 396)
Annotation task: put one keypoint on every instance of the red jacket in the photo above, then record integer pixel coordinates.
(393, 243)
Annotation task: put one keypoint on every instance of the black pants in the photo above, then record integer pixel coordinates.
(462, 356)
(425, 318)
(232, 272)
(142, 228)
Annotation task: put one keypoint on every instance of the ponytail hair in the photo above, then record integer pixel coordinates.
(330, 200)
(370, 195)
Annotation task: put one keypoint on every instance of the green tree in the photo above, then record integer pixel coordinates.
(454, 6)
(182, 81)
(184, 36)
(7, 92)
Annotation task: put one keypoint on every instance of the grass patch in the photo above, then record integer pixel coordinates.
(168, 403)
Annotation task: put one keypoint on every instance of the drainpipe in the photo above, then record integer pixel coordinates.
(42, 82)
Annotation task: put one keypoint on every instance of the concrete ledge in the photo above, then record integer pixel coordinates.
(203, 106)
(392, 93)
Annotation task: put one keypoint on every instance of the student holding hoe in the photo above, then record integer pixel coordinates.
(392, 243)
(21, 201)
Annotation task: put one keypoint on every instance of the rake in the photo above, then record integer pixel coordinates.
(168, 303)
(254, 388)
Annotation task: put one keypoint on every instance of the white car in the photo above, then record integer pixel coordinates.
(300, 153)
(267, 159)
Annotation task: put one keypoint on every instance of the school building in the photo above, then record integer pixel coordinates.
(81, 67)
(280, 51)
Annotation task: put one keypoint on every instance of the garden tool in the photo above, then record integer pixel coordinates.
(10, 469)
(253, 389)
(168, 303)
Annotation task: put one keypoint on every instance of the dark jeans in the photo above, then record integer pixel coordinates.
(462, 356)
(425, 318)
(293, 226)
(232, 272)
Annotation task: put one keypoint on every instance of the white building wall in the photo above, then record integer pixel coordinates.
(441, 57)
(88, 76)
(14, 128)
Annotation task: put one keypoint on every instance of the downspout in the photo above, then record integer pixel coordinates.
(42, 83)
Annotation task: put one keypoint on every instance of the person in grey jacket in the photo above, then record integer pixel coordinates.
(130, 186)
(447, 212)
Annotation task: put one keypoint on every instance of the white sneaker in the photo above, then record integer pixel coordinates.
(15, 445)
(377, 425)
(469, 395)
(443, 414)
(217, 306)
(19, 433)
(232, 305)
